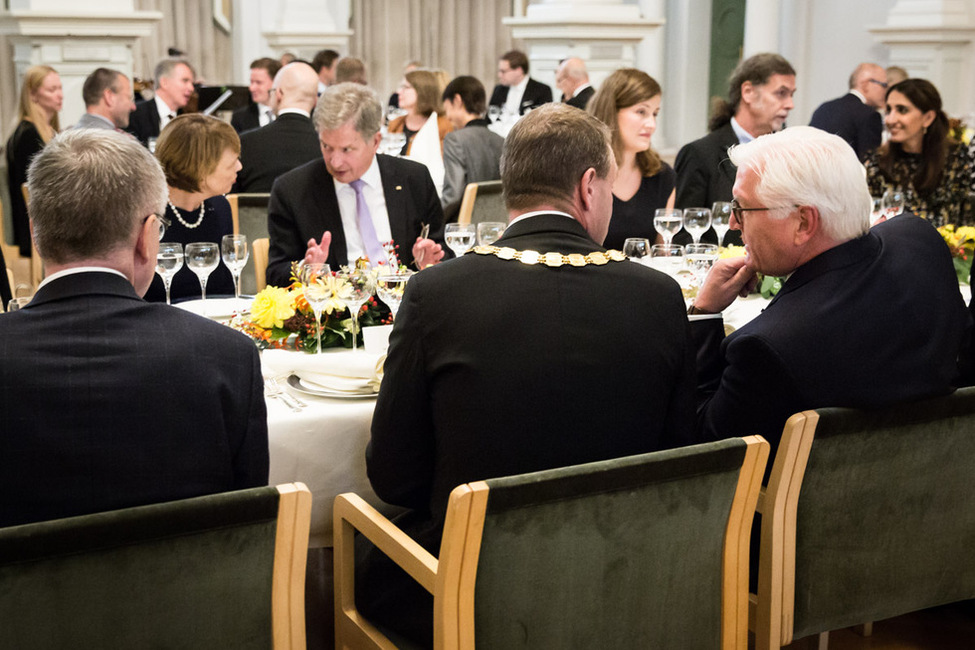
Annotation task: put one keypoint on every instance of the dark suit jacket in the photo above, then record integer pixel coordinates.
(536, 94)
(580, 99)
(6, 291)
(852, 120)
(705, 175)
(498, 368)
(246, 118)
(108, 402)
(144, 121)
(303, 205)
(272, 150)
(872, 322)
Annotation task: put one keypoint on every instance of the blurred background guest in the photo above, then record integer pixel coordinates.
(854, 116)
(258, 113)
(199, 155)
(896, 74)
(935, 172)
(628, 101)
(573, 80)
(419, 96)
(516, 92)
(471, 152)
(324, 64)
(351, 69)
(41, 97)
(108, 100)
(409, 67)
(174, 88)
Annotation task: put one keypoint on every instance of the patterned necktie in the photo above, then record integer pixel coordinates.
(363, 219)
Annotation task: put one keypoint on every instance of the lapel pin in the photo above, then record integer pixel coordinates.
(399, 187)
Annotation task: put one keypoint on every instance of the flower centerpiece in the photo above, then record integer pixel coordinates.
(961, 243)
(282, 318)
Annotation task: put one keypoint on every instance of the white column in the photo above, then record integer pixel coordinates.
(304, 26)
(761, 27)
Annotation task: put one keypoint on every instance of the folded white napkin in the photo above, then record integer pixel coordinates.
(426, 149)
(334, 370)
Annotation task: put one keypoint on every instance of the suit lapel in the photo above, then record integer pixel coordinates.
(393, 190)
(327, 217)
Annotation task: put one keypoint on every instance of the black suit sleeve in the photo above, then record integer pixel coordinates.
(282, 226)
(693, 177)
(251, 458)
(871, 133)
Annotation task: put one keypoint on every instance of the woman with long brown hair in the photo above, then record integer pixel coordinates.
(41, 97)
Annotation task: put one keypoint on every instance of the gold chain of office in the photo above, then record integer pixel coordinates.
(553, 260)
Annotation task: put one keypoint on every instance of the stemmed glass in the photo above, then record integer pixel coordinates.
(667, 258)
(494, 113)
(700, 258)
(894, 201)
(489, 232)
(697, 221)
(637, 249)
(202, 257)
(668, 223)
(390, 288)
(876, 208)
(721, 219)
(460, 237)
(233, 248)
(358, 285)
(317, 291)
(169, 260)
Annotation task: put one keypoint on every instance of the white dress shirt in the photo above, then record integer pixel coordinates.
(512, 104)
(264, 115)
(376, 200)
(164, 113)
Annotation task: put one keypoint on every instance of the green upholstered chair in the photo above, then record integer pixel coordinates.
(249, 212)
(218, 571)
(643, 551)
(867, 515)
(482, 202)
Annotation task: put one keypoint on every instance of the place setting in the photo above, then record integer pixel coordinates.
(202, 258)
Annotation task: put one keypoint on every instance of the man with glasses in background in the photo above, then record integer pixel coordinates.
(107, 401)
(855, 116)
(865, 318)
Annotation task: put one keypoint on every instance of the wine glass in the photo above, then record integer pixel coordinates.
(668, 223)
(697, 221)
(637, 249)
(394, 143)
(460, 237)
(721, 219)
(489, 232)
(494, 113)
(202, 257)
(317, 291)
(894, 201)
(233, 248)
(357, 286)
(16, 304)
(876, 208)
(390, 288)
(700, 258)
(169, 260)
(667, 257)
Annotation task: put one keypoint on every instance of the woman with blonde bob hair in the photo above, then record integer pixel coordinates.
(40, 102)
(200, 156)
(628, 102)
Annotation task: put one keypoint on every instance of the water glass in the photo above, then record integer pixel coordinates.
(489, 232)
(668, 223)
(697, 221)
(637, 249)
(721, 219)
(700, 258)
(460, 237)
(357, 285)
(667, 258)
(202, 257)
(390, 288)
(894, 201)
(169, 260)
(317, 291)
(234, 251)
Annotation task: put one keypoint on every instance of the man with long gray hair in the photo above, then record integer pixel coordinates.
(107, 401)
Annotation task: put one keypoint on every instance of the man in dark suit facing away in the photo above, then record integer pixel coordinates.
(107, 401)
(855, 116)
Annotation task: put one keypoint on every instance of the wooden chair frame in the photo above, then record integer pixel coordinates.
(451, 579)
(290, 558)
(468, 201)
(259, 249)
(36, 263)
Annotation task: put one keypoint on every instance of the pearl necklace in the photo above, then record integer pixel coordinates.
(179, 217)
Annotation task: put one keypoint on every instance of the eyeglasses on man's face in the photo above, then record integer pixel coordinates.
(882, 84)
(162, 221)
(739, 212)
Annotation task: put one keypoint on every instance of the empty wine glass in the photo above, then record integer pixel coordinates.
(637, 249)
(317, 291)
(489, 232)
(460, 237)
(721, 219)
(169, 260)
(390, 288)
(202, 257)
(233, 248)
(697, 221)
(668, 223)
(700, 258)
(894, 201)
(357, 286)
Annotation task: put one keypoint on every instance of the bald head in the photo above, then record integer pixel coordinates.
(570, 75)
(295, 86)
(870, 80)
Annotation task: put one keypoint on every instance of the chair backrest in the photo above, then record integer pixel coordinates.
(644, 551)
(260, 248)
(482, 202)
(249, 212)
(219, 571)
(868, 515)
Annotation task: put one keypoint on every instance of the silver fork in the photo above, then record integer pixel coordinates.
(284, 391)
(273, 389)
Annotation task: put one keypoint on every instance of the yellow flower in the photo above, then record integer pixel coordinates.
(272, 306)
(338, 290)
(731, 251)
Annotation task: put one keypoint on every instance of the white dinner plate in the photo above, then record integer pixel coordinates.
(217, 308)
(295, 382)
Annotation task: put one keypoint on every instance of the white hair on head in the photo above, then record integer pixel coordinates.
(803, 165)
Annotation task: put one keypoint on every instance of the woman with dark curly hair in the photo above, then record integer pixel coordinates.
(936, 173)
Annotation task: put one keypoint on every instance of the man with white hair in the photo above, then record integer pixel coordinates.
(107, 401)
(573, 80)
(866, 318)
(174, 87)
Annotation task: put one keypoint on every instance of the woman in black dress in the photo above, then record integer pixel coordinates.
(628, 101)
(201, 157)
(41, 97)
